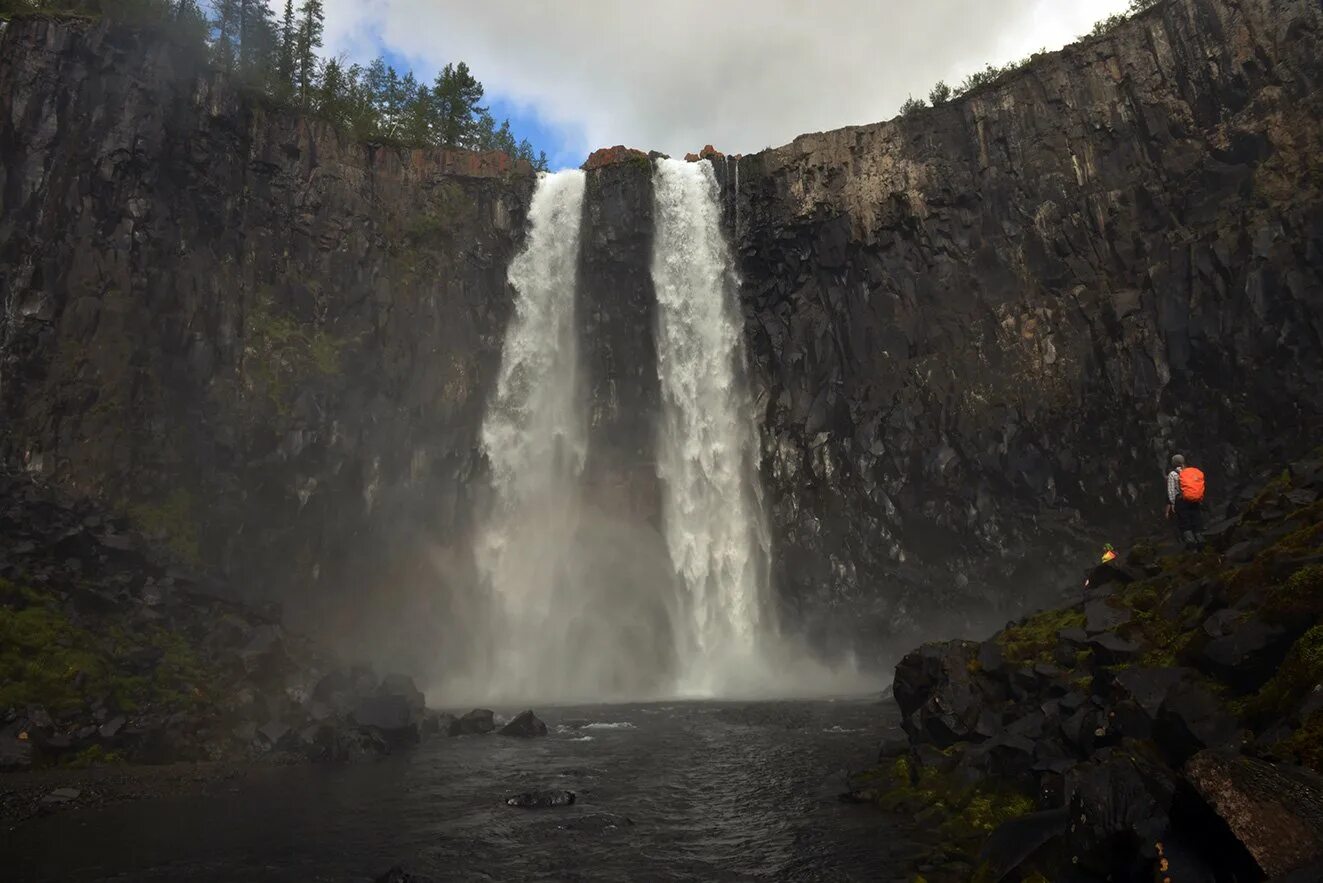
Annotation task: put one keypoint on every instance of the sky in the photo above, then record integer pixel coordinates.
(674, 75)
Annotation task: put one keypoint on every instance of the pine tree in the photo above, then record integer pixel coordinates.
(288, 50)
(330, 97)
(311, 27)
(258, 42)
(225, 49)
(190, 23)
(457, 96)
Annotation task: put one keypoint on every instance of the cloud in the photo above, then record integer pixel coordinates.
(739, 74)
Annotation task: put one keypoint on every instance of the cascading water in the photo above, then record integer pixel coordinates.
(713, 517)
(535, 439)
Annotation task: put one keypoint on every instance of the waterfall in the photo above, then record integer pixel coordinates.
(707, 449)
(535, 437)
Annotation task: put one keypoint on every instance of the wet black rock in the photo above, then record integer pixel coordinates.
(525, 724)
(1275, 811)
(392, 715)
(477, 722)
(1247, 651)
(398, 874)
(541, 799)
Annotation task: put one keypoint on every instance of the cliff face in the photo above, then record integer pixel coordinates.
(979, 331)
(265, 341)
(974, 333)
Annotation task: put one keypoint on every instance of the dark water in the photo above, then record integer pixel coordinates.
(714, 791)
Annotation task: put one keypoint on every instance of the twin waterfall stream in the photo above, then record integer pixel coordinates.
(555, 629)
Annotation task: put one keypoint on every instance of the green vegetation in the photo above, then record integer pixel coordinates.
(962, 816)
(48, 660)
(942, 93)
(171, 518)
(1110, 22)
(281, 355)
(278, 59)
(1035, 639)
(1300, 672)
(94, 755)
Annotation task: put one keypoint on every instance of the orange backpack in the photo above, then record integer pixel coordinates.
(1192, 484)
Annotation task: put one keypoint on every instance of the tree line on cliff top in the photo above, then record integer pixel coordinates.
(278, 56)
(942, 93)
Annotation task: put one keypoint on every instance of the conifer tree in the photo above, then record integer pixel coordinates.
(288, 50)
(311, 27)
(457, 96)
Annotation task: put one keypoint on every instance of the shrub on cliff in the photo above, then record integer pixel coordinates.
(911, 105)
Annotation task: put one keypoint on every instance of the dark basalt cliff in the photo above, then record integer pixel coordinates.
(978, 331)
(267, 342)
(974, 333)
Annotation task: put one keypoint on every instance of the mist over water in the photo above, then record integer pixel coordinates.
(579, 601)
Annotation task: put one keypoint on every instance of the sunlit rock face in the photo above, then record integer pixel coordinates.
(973, 334)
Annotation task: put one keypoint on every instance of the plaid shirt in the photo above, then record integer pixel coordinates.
(1173, 485)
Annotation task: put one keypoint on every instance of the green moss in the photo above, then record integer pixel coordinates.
(962, 815)
(47, 660)
(449, 211)
(1035, 639)
(44, 658)
(172, 518)
(1305, 745)
(1300, 594)
(94, 755)
(1299, 673)
(280, 355)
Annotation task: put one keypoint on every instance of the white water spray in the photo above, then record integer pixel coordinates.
(714, 523)
(535, 439)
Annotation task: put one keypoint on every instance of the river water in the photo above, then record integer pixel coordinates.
(676, 791)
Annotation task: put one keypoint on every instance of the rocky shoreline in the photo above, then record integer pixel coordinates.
(1169, 725)
(124, 675)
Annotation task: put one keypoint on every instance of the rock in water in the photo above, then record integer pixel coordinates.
(525, 724)
(393, 716)
(475, 723)
(541, 799)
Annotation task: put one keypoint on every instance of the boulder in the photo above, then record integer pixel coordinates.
(435, 722)
(541, 799)
(1100, 616)
(403, 686)
(111, 728)
(1112, 649)
(1015, 841)
(939, 695)
(1119, 795)
(61, 795)
(1191, 719)
(392, 715)
(526, 725)
(1248, 652)
(1276, 811)
(274, 732)
(1148, 687)
(477, 722)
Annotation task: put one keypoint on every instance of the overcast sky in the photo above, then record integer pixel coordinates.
(673, 75)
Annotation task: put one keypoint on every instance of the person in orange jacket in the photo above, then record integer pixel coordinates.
(1185, 502)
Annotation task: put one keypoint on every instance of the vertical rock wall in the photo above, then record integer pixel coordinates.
(262, 340)
(979, 331)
